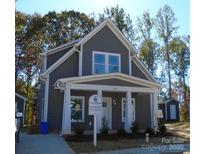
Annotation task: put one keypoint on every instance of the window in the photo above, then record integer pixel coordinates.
(77, 109)
(123, 109)
(105, 62)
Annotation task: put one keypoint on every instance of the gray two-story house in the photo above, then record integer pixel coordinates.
(103, 63)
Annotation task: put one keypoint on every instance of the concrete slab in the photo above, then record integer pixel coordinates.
(42, 144)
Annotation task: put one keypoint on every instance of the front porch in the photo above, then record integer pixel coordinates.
(121, 106)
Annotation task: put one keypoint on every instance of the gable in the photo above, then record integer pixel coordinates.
(105, 41)
(137, 72)
(112, 82)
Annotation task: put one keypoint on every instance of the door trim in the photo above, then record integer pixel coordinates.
(110, 105)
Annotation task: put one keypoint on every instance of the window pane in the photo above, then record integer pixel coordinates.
(76, 109)
(99, 69)
(76, 115)
(100, 59)
(113, 60)
(113, 68)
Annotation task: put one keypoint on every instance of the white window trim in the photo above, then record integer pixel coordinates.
(83, 107)
(133, 99)
(106, 54)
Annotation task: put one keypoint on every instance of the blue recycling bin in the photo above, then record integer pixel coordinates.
(44, 128)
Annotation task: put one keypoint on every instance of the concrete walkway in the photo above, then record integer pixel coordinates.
(166, 149)
(42, 144)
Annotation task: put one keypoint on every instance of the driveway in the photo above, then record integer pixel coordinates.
(42, 144)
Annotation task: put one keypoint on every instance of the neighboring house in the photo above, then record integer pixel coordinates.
(105, 64)
(20, 102)
(170, 109)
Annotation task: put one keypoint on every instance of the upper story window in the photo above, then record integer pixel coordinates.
(106, 62)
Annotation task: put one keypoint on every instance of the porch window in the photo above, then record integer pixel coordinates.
(77, 109)
(123, 109)
(105, 62)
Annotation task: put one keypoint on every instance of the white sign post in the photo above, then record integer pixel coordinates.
(95, 108)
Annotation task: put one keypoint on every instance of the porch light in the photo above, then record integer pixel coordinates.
(114, 102)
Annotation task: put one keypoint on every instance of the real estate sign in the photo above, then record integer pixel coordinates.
(95, 108)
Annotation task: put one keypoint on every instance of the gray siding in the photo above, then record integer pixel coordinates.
(112, 82)
(55, 101)
(51, 59)
(40, 101)
(142, 109)
(104, 41)
(137, 72)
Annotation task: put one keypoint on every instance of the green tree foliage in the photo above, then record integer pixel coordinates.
(165, 26)
(66, 26)
(121, 20)
(148, 48)
(180, 47)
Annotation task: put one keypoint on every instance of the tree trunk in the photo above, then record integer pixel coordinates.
(169, 76)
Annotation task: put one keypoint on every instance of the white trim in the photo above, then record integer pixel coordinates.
(59, 48)
(83, 108)
(45, 64)
(46, 99)
(128, 110)
(120, 76)
(130, 64)
(80, 60)
(66, 120)
(110, 105)
(110, 88)
(122, 108)
(106, 54)
(22, 97)
(155, 107)
(59, 62)
(151, 110)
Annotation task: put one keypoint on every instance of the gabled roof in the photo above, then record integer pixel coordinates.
(120, 76)
(20, 96)
(118, 34)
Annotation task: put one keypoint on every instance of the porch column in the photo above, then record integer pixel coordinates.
(66, 121)
(128, 111)
(155, 108)
(99, 118)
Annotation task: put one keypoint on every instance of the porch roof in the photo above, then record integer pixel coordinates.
(98, 77)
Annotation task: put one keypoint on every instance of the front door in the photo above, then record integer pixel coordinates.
(173, 112)
(107, 112)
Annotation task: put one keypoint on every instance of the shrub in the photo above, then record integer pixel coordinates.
(150, 131)
(104, 130)
(121, 132)
(134, 128)
(162, 128)
(79, 129)
(33, 129)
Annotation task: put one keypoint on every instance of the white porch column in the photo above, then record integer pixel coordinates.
(155, 108)
(99, 117)
(128, 111)
(45, 112)
(152, 110)
(66, 121)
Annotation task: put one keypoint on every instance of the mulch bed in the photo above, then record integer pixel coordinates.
(84, 143)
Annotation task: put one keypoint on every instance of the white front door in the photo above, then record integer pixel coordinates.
(107, 112)
(173, 112)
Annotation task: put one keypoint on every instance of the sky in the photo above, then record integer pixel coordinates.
(135, 8)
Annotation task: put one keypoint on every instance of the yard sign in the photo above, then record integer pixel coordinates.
(95, 108)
